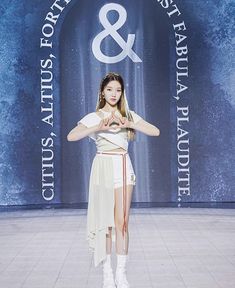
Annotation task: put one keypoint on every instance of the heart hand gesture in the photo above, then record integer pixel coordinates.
(113, 122)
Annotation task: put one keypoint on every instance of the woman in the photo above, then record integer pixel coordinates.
(112, 176)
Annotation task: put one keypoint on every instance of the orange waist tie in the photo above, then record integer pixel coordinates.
(123, 189)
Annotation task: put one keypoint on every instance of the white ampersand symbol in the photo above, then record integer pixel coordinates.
(112, 30)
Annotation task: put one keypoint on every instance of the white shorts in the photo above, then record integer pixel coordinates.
(118, 168)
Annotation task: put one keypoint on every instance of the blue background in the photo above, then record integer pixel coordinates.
(211, 97)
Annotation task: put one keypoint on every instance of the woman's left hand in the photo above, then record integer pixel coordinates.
(122, 122)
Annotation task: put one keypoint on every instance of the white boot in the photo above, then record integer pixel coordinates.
(108, 280)
(120, 276)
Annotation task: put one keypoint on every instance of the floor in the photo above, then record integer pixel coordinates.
(169, 247)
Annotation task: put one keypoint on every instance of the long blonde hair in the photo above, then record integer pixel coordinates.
(122, 104)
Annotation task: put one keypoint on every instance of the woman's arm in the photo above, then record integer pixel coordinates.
(81, 131)
(145, 127)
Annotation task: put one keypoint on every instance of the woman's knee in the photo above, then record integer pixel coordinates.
(119, 225)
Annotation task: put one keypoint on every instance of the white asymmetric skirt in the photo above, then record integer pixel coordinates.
(100, 213)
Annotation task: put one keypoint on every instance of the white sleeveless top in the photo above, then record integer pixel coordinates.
(108, 139)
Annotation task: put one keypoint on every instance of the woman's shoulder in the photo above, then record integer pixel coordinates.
(99, 114)
(89, 119)
(92, 114)
(96, 115)
(136, 117)
(132, 112)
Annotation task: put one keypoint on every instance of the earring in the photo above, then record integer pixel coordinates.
(101, 98)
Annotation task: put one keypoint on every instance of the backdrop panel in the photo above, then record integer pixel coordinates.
(178, 76)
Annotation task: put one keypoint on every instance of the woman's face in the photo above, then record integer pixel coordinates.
(112, 92)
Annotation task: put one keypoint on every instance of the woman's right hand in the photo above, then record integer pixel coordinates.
(105, 123)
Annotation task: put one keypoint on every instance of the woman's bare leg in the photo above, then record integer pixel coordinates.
(121, 244)
(109, 241)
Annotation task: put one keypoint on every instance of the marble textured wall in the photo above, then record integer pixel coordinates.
(212, 101)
